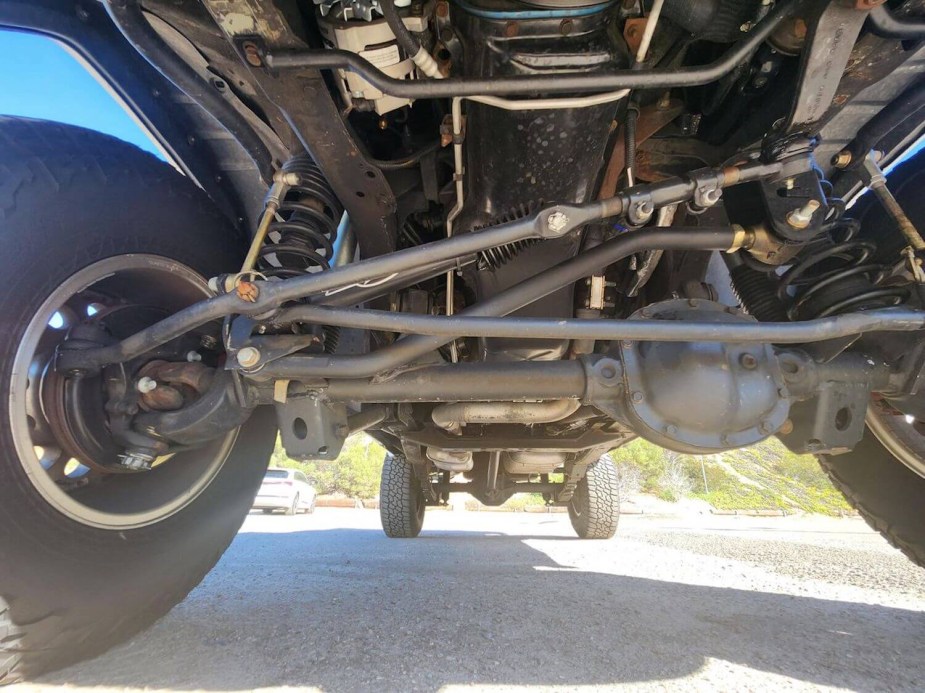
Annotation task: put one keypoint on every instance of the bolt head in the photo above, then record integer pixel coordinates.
(557, 222)
(146, 384)
(637, 397)
(748, 362)
(248, 357)
(193, 356)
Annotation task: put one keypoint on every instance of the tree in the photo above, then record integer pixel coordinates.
(675, 479)
(355, 472)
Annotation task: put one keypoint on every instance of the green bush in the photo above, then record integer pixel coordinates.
(762, 477)
(355, 473)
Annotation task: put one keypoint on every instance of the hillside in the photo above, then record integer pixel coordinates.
(764, 476)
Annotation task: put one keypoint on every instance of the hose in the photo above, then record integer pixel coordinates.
(412, 48)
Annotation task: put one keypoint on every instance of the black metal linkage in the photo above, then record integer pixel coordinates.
(519, 487)
(470, 382)
(884, 23)
(538, 84)
(461, 325)
(907, 105)
(408, 349)
(366, 272)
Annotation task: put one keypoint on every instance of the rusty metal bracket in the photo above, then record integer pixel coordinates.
(304, 101)
(833, 30)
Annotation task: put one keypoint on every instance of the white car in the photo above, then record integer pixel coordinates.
(285, 489)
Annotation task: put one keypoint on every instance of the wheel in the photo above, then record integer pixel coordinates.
(595, 507)
(401, 500)
(884, 479)
(311, 508)
(268, 511)
(294, 508)
(884, 476)
(92, 551)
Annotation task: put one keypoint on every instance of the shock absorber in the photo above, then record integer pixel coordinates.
(301, 236)
(297, 232)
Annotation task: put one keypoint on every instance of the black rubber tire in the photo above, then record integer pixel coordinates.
(311, 508)
(268, 511)
(401, 500)
(887, 494)
(70, 197)
(294, 508)
(595, 507)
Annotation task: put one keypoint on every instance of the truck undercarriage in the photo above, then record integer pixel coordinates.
(502, 237)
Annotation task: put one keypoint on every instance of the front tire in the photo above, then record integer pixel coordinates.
(88, 563)
(886, 492)
(884, 476)
(401, 500)
(595, 507)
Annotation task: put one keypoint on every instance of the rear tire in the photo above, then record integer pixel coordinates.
(294, 508)
(401, 500)
(595, 508)
(72, 587)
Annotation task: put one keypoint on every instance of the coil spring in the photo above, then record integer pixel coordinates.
(834, 276)
(302, 237)
(493, 258)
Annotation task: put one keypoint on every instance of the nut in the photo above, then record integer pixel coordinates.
(748, 362)
(801, 217)
(145, 385)
(248, 357)
(842, 159)
(247, 291)
(252, 54)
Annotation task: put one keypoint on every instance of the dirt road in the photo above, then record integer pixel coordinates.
(511, 602)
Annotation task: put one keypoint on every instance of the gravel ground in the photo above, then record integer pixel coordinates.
(509, 602)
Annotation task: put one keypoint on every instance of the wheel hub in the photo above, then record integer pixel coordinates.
(71, 433)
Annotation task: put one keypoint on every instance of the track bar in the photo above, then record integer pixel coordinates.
(330, 282)
(821, 329)
(534, 84)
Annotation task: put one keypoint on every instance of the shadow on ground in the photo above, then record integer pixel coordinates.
(347, 609)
